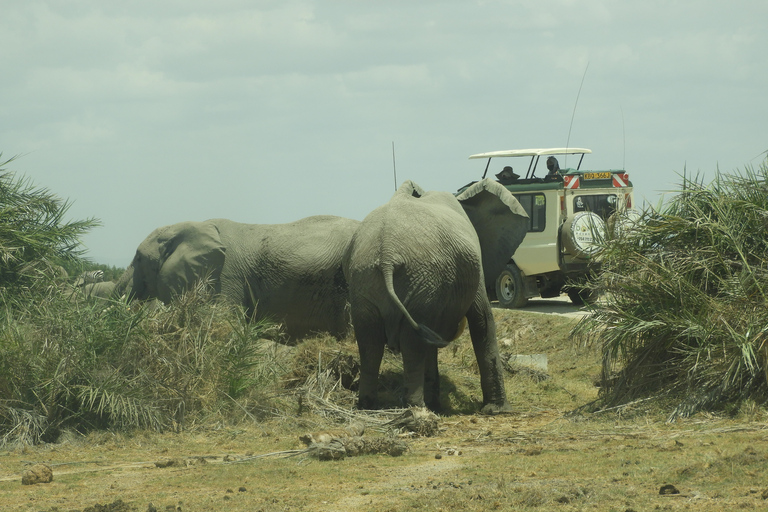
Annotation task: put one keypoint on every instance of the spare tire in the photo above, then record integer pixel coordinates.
(582, 234)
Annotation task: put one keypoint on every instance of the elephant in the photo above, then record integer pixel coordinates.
(91, 285)
(416, 270)
(101, 290)
(289, 273)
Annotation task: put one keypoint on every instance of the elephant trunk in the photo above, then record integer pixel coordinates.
(429, 336)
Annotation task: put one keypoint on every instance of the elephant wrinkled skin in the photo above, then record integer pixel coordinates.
(415, 269)
(289, 273)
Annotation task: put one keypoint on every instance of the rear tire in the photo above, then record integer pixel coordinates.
(582, 296)
(510, 291)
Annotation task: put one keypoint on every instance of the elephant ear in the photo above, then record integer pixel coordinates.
(410, 188)
(189, 252)
(500, 222)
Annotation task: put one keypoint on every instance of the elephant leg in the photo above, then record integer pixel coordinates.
(482, 330)
(431, 379)
(371, 340)
(414, 352)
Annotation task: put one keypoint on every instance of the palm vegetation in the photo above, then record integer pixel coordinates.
(86, 365)
(33, 232)
(685, 314)
(66, 362)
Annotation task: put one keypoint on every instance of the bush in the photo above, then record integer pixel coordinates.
(685, 313)
(98, 364)
(33, 234)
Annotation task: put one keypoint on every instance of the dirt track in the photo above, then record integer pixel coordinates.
(557, 306)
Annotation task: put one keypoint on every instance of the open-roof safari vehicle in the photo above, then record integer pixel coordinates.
(569, 211)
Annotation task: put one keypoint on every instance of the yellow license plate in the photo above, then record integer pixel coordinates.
(597, 175)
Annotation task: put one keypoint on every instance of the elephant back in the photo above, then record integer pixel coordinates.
(290, 273)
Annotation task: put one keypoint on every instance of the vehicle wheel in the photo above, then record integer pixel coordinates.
(582, 296)
(509, 288)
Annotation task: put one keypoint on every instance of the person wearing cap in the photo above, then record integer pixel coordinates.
(507, 176)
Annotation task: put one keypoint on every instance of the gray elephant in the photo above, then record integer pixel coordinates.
(289, 273)
(101, 290)
(416, 269)
(91, 284)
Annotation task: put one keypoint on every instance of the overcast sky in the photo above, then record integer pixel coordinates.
(146, 113)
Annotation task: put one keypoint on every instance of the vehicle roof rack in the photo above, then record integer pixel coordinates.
(534, 153)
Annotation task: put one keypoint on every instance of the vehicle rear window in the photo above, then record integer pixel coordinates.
(535, 205)
(602, 204)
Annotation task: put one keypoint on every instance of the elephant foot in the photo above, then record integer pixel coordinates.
(494, 409)
(366, 404)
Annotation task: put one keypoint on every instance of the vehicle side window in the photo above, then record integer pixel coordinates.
(535, 205)
(602, 204)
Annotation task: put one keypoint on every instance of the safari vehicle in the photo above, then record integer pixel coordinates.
(569, 211)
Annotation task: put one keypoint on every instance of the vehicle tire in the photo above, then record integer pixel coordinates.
(510, 291)
(582, 234)
(582, 296)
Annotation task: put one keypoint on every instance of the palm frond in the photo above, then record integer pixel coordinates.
(685, 311)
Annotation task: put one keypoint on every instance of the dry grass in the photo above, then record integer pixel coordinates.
(542, 457)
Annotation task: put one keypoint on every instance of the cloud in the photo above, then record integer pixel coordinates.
(270, 111)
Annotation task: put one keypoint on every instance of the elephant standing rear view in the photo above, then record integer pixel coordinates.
(289, 273)
(416, 268)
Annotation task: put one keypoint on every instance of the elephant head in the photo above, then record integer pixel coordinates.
(172, 258)
(415, 269)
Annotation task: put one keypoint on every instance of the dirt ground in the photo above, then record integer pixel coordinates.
(544, 456)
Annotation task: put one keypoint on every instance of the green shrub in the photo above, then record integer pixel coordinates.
(685, 313)
(109, 364)
(33, 234)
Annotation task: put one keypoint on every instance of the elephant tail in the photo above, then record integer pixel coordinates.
(429, 336)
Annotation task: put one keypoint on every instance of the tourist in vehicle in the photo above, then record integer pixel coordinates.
(507, 176)
(553, 165)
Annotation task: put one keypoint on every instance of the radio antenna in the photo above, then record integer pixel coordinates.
(624, 142)
(568, 141)
(394, 166)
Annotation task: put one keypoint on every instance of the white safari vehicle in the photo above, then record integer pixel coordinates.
(569, 209)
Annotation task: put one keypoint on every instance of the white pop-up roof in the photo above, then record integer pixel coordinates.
(533, 152)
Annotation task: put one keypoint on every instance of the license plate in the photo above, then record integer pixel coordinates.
(597, 175)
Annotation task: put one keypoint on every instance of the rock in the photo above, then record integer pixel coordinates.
(668, 489)
(37, 474)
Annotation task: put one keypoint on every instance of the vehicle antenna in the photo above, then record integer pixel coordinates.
(574, 112)
(394, 167)
(624, 142)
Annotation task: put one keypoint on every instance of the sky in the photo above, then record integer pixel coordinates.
(144, 113)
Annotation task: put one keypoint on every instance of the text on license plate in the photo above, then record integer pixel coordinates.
(597, 175)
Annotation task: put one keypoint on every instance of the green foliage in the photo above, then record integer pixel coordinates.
(33, 233)
(685, 312)
(110, 364)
